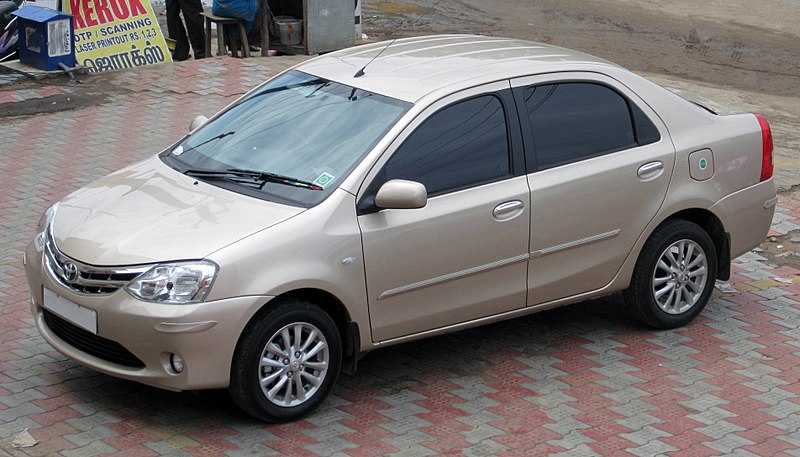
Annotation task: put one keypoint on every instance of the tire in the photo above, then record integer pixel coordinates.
(674, 275)
(296, 381)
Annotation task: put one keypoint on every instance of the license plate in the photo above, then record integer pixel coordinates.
(85, 318)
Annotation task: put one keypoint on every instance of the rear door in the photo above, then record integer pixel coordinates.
(464, 255)
(599, 163)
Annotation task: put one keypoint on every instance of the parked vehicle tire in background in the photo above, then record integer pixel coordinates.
(674, 275)
(286, 362)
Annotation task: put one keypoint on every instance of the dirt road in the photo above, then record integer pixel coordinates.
(730, 43)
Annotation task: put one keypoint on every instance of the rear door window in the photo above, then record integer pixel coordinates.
(575, 121)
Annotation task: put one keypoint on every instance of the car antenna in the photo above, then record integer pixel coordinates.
(360, 72)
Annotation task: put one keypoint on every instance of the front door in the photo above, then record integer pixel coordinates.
(464, 255)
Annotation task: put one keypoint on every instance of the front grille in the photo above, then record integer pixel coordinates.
(83, 278)
(90, 343)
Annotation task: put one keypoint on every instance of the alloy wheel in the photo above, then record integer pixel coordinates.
(680, 276)
(293, 364)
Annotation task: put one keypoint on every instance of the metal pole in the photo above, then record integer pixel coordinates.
(265, 18)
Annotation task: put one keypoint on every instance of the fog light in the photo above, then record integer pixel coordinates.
(176, 363)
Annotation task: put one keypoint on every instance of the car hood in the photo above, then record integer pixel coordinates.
(148, 213)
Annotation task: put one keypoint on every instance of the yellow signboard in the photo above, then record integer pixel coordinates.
(116, 34)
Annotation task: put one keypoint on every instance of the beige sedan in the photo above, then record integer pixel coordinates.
(392, 192)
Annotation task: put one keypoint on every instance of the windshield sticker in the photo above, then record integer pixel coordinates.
(178, 151)
(324, 179)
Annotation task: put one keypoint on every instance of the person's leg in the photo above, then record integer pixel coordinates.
(254, 33)
(176, 31)
(195, 26)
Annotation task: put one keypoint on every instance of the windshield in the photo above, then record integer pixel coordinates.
(298, 126)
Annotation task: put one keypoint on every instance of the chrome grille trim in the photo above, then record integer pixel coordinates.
(90, 279)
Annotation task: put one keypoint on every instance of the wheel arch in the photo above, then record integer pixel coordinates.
(709, 222)
(704, 218)
(331, 305)
(665, 252)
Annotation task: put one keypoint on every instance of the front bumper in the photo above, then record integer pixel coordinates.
(204, 335)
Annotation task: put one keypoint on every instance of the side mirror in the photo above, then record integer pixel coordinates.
(401, 194)
(197, 122)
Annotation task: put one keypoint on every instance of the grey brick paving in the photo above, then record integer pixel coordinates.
(637, 421)
(19, 411)
(485, 449)
(792, 438)
(580, 450)
(92, 449)
(410, 442)
(652, 448)
(783, 409)
(727, 443)
(90, 436)
(571, 440)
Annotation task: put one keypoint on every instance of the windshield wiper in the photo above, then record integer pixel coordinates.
(257, 177)
(215, 138)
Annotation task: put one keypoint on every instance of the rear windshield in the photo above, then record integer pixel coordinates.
(296, 125)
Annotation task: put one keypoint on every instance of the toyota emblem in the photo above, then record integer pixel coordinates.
(70, 273)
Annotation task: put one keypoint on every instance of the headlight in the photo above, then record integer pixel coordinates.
(184, 282)
(43, 226)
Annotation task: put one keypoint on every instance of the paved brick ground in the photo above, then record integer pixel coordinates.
(582, 380)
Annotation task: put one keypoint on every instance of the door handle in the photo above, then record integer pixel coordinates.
(507, 210)
(650, 170)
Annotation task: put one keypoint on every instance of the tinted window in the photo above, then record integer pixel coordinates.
(576, 121)
(463, 145)
(646, 132)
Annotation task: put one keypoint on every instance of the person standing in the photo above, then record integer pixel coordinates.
(194, 24)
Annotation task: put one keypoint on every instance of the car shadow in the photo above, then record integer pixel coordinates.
(480, 352)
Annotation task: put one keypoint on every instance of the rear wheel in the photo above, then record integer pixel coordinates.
(674, 275)
(287, 362)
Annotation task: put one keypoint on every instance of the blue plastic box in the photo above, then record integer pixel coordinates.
(46, 38)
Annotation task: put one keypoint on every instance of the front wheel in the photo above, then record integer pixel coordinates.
(287, 362)
(674, 275)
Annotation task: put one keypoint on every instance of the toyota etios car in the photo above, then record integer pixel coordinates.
(391, 192)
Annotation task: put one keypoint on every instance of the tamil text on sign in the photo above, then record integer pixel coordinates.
(116, 34)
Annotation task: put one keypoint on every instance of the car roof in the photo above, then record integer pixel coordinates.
(410, 68)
